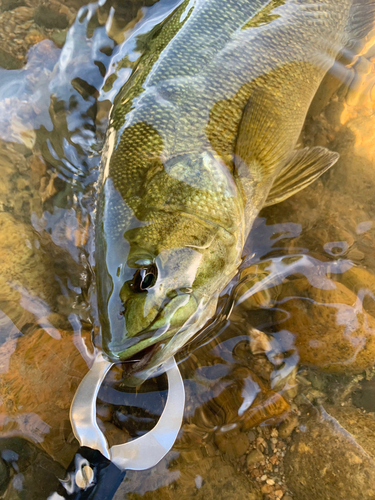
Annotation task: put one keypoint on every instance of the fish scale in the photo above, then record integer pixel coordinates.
(198, 141)
(228, 73)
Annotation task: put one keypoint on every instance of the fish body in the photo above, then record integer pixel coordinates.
(201, 137)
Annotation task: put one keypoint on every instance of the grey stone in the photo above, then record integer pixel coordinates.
(252, 436)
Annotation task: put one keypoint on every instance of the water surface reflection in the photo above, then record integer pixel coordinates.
(286, 365)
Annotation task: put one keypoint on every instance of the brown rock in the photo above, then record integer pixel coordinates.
(252, 436)
(35, 36)
(232, 443)
(356, 279)
(37, 390)
(25, 271)
(23, 13)
(29, 290)
(331, 332)
(254, 457)
(266, 489)
(11, 4)
(287, 427)
(270, 407)
(17, 192)
(228, 407)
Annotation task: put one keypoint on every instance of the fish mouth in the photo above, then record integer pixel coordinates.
(136, 356)
(137, 346)
(140, 360)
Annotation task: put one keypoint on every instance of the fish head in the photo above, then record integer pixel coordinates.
(167, 289)
(164, 253)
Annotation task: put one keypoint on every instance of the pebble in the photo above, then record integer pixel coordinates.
(252, 436)
(255, 456)
(288, 426)
(263, 478)
(198, 481)
(59, 37)
(261, 442)
(271, 482)
(266, 489)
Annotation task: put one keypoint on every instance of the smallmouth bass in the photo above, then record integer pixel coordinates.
(202, 137)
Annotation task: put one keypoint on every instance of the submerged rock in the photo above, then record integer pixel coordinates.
(32, 271)
(26, 471)
(196, 473)
(50, 18)
(331, 329)
(40, 376)
(241, 399)
(287, 427)
(360, 425)
(27, 286)
(324, 462)
(11, 4)
(254, 457)
(362, 283)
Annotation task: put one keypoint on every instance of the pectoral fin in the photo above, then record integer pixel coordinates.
(302, 170)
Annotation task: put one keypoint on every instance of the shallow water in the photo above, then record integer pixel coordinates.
(280, 387)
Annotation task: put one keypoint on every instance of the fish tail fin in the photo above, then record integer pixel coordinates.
(302, 170)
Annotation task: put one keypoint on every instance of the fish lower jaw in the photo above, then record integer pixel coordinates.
(133, 362)
(133, 353)
(122, 354)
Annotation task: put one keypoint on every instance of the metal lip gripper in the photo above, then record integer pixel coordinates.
(97, 470)
(141, 453)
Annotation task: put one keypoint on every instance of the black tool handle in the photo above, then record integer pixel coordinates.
(90, 476)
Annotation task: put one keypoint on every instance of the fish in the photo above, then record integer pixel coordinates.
(202, 136)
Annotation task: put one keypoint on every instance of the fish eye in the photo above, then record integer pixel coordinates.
(144, 279)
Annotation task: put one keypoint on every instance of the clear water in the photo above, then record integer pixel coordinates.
(280, 388)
